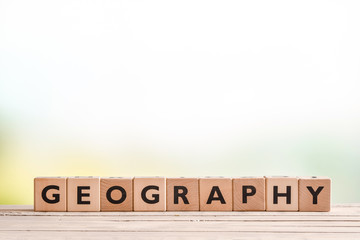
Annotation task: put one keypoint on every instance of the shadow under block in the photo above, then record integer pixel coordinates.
(249, 194)
(314, 194)
(215, 194)
(83, 194)
(281, 194)
(149, 194)
(116, 194)
(50, 194)
(182, 194)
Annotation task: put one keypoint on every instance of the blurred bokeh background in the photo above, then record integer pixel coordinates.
(179, 88)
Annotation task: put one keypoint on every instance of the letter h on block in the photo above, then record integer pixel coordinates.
(281, 194)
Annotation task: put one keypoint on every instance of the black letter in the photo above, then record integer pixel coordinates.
(287, 194)
(246, 193)
(80, 194)
(182, 195)
(215, 189)
(56, 196)
(155, 196)
(315, 194)
(123, 194)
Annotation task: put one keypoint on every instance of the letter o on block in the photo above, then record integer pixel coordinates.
(116, 194)
(149, 194)
(50, 194)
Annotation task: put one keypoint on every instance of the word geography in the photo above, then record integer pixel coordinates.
(91, 194)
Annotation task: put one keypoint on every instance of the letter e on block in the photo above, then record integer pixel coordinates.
(83, 194)
(149, 194)
(282, 194)
(314, 194)
(50, 194)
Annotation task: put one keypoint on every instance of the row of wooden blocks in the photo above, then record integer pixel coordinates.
(182, 194)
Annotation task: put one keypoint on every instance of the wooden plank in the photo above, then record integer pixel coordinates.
(335, 208)
(173, 235)
(20, 222)
(79, 224)
(213, 218)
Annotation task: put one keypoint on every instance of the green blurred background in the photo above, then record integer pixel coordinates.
(189, 88)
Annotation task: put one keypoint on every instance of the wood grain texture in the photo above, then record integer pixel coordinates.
(320, 187)
(86, 189)
(276, 188)
(190, 186)
(21, 222)
(254, 190)
(120, 191)
(55, 194)
(152, 190)
(215, 194)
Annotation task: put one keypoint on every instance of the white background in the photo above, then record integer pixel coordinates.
(183, 87)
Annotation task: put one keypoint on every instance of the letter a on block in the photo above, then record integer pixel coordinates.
(281, 194)
(149, 194)
(314, 194)
(83, 194)
(50, 194)
(215, 194)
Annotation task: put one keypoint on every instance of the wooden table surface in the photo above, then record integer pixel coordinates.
(21, 222)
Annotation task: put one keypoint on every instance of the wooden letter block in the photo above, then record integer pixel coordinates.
(249, 194)
(149, 194)
(83, 194)
(314, 194)
(281, 194)
(50, 194)
(182, 194)
(215, 194)
(116, 194)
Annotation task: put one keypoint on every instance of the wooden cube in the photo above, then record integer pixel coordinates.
(182, 194)
(50, 194)
(116, 194)
(314, 194)
(249, 194)
(281, 193)
(83, 194)
(149, 194)
(215, 194)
